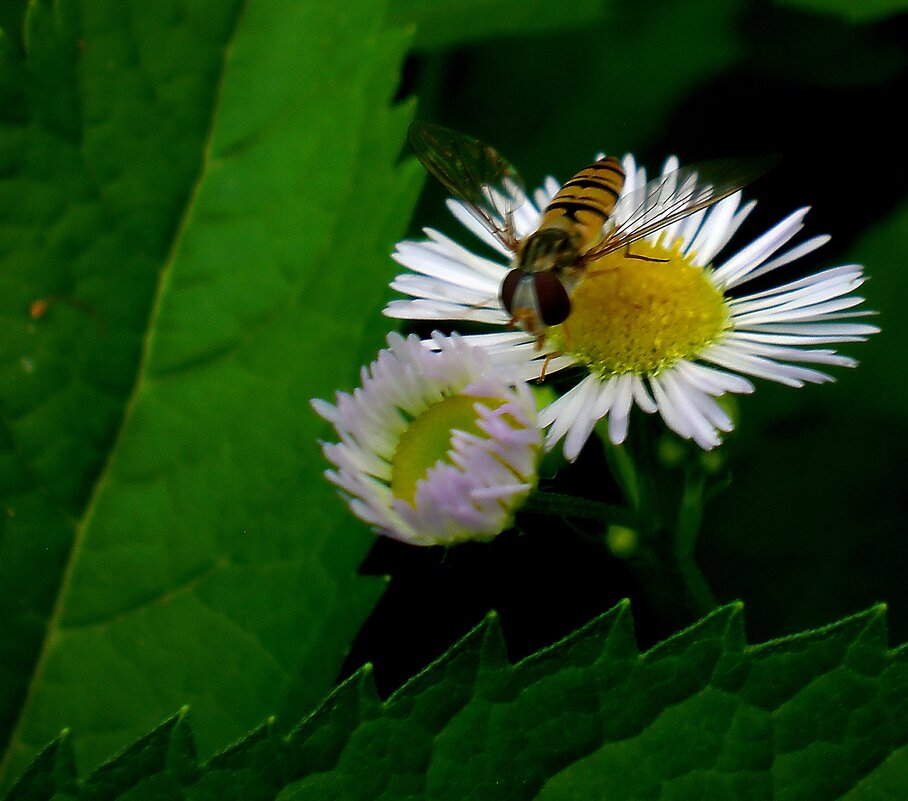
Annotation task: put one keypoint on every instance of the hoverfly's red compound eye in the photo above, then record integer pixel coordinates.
(552, 299)
(509, 287)
(541, 294)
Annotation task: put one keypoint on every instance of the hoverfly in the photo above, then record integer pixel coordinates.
(588, 217)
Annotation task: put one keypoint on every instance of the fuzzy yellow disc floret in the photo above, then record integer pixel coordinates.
(630, 315)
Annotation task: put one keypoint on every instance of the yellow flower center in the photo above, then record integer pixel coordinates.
(428, 440)
(629, 315)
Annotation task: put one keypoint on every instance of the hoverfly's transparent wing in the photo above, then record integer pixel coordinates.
(674, 196)
(475, 173)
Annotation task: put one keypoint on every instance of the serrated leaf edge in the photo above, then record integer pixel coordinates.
(722, 622)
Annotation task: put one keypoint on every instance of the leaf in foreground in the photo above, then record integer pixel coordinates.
(820, 715)
(202, 203)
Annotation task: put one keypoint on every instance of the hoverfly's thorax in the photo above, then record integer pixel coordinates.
(547, 249)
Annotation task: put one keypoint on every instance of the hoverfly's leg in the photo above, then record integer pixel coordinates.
(629, 255)
(545, 364)
(540, 341)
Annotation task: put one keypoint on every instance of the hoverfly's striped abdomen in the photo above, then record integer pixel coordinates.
(585, 202)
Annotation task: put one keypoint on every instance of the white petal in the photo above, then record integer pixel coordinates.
(554, 410)
(759, 335)
(565, 411)
(797, 312)
(714, 414)
(532, 370)
(673, 419)
(619, 414)
(444, 244)
(584, 420)
(421, 309)
(420, 286)
(713, 381)
(642, 396)
(606, 398)
(791, 375)
(713, 234)
(861, 330)
(422, 257)
(682, 397)
(811, 295)
(797, 252)
(465, 218)
(752, 256)
(819, 356)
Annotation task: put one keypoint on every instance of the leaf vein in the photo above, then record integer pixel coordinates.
(81, 525)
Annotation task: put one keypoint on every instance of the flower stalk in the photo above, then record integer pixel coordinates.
(667, 500)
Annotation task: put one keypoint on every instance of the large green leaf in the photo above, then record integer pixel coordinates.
(700, 716)
(203, 195)
(12, 14)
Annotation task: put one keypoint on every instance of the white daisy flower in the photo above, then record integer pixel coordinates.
(435, 446)
(664, 335)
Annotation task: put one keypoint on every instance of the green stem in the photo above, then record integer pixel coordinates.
(690, 512)
(672, 582)
(570, 506)
(669, 519)
(666, 566)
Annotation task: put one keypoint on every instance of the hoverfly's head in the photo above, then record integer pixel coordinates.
(548, 249)
(535, 300)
